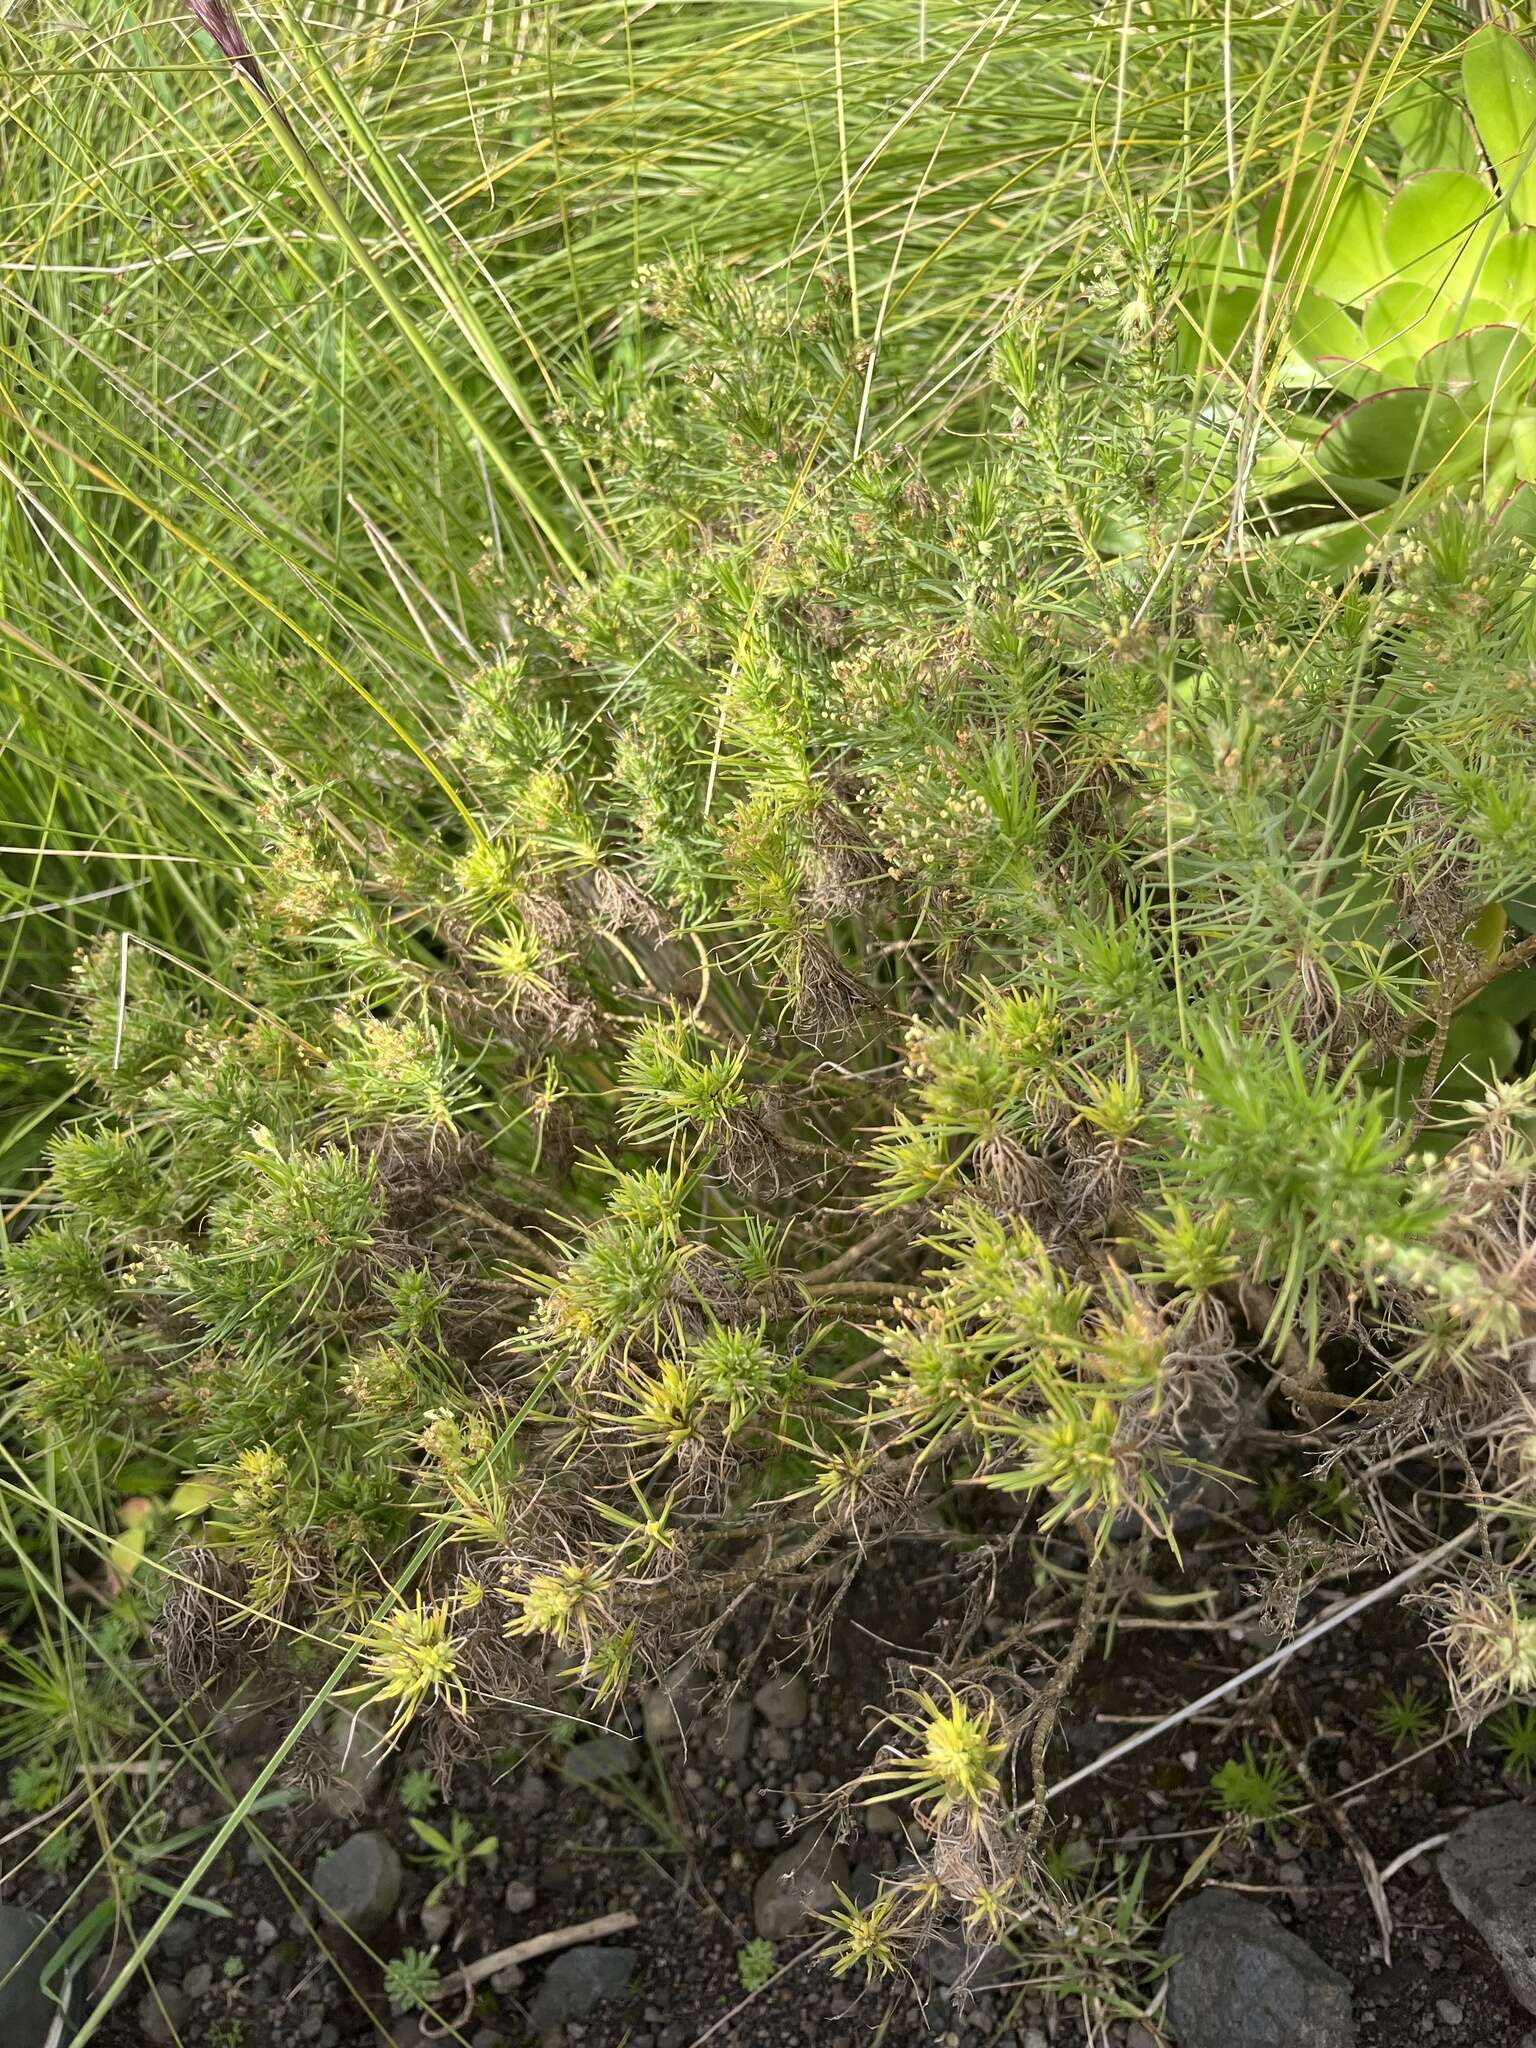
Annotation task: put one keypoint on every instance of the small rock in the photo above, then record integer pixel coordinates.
(161, 2013)
(783, 1702)
(670, 1709)
(579, 1981)
(359, 1883)
(532, 1796)
(1489, 1868)
(436, 1919)
(1238, 1975)
(728, 1733)
(266, 1933)
(181, 1937)
(1450, 2011)
(519, 1897)
(947, 1959)
(765, 1834)
(27, 2013)
(601, 1759)
(1137, 2036)
(198, 1981)
(882, 1819)
(506, 1980)
(802, 1881)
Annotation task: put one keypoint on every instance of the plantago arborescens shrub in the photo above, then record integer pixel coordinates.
(936, 974)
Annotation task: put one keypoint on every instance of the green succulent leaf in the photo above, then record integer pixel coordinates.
(1392, 434)
(1480, 1047)
(1487, 366)
(1334, 552)
(1211, 330)
(1520, 445)
(1517, 516)
(1499, 79)
(1431, 132)
(1322, 332)
(1439, 229)
(1508, 276)
(1327, 232)
(1401, 321)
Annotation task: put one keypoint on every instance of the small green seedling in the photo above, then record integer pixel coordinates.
(1515, 1733)
(755, 1964)
(451, 1854)
(419, 1792)
(1406, 1718)
(410, 1980)
(1255, 1790)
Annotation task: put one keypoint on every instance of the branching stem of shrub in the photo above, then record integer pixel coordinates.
(1054, 1691)
(1450, 1003)
(525, 1244)
(866, 1247)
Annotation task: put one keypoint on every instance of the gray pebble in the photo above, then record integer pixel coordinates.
(783, 1702)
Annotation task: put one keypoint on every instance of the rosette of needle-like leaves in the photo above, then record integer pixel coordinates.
(947, 1754)
(1393, 282)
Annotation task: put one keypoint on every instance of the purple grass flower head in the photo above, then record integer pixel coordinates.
(219, 19)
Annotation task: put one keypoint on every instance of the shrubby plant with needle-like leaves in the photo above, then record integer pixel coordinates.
(935, 977)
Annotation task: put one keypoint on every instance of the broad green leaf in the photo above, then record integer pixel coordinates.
(1431, 131)
(1499, 79)
(1439, 228)
(1328, 343)
(1399, 323)
(1513, 995)
(1488, 366)
(1356, 379)
(1333, 552)
(1320, 327)
(1520, 439)
(1396, 433)
(1517, 515)
(1212, 330)
(1485, 934)
(1403, 320)
(1481, 1046)
(1508, 275)
(194, 1496)
(1331, 235)
(1218, 256)
(126, 1552)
